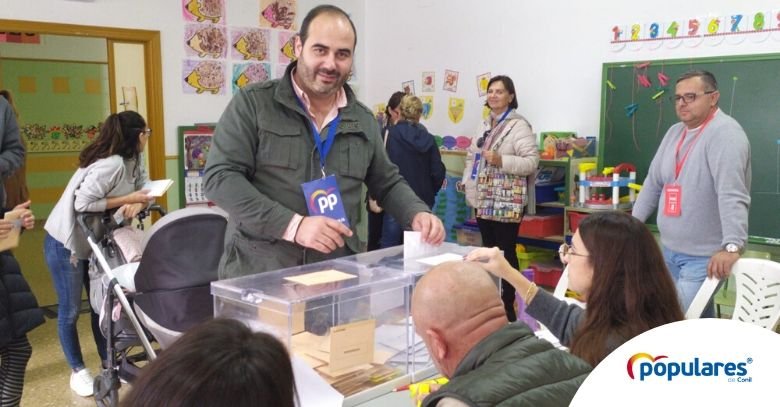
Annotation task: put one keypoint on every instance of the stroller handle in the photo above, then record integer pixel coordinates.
(83, 218)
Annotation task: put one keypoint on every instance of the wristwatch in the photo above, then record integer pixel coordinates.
(732, 248)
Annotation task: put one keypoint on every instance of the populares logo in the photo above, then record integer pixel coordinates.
(322, 200)
(663, 366)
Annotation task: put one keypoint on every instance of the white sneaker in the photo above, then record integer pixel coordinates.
(82, 383)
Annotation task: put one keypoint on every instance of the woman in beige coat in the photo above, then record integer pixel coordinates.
(500, 158)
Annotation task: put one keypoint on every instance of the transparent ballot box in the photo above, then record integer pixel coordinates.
(348, 318)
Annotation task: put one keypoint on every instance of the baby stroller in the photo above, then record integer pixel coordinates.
(170, 285)
(110, 275)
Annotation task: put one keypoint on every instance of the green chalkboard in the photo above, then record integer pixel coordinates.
(750, 92)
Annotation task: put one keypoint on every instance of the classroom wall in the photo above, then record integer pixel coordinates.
(553, 49)
(166, 17)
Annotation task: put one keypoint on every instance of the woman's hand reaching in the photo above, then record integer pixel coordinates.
(492, 260)
(130, 211)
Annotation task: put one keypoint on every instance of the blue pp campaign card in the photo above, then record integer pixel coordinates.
(324, 199)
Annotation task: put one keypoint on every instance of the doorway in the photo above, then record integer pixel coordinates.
(126, 89)
(123, 46)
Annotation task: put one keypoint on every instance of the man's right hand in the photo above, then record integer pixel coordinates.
(321, 233)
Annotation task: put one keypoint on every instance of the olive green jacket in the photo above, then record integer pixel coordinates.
(261, 153)
(512, 367)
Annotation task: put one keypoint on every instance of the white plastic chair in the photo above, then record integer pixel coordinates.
(758, 293)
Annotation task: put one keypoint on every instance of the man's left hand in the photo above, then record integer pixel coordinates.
(430, 227)
(720, 264)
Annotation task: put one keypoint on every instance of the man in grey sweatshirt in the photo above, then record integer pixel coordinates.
(699, 180)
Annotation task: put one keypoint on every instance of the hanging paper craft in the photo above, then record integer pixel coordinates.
(205, 40)
(427, 104)
(249, 72)
(450, 80)
(203, 11)
(658, 94)
(631, 109)
(429, 82)
(663, 79)
(407, 87)
(278, 13)
(203, 76)
(482, 84)
(643, 81)
(455, 109)
(485, 112)
(611, 85)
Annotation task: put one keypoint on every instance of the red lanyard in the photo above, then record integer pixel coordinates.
(678, 163)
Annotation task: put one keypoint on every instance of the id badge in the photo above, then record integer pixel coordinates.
(475, 168)
(672, 200)
(324, 199)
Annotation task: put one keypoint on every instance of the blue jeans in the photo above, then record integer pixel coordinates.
(68, 281)
(392, 232)
(688, 273)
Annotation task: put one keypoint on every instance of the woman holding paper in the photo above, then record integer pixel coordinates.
(110, 175)
(499, 160)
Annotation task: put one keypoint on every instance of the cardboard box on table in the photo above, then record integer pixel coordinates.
(348, 318)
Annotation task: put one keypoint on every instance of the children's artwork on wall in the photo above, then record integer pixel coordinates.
(203, 11)
(450, 80)
(379, 113)
(196, 148)
(407, 87)
(715, 30)
(429, 81)
(427, 103)
(485, 112)
(730, 28)
(205, 41)
(66, 137)
(20, 38)
(249, 43)
(278, 14)
(249, 72)
(759, 23)
(286, 41)
(455, 109)
(482, 83)
(279, 70)
(203, 76)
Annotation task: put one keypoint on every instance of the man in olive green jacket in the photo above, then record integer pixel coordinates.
(263, 150)
(459, 314)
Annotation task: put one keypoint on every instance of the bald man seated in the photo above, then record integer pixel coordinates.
(458, 312)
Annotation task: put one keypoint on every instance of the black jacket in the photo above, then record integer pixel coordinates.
(19, 312)
(417, 156)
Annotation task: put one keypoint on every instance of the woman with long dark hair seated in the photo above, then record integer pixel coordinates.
(615, 264)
